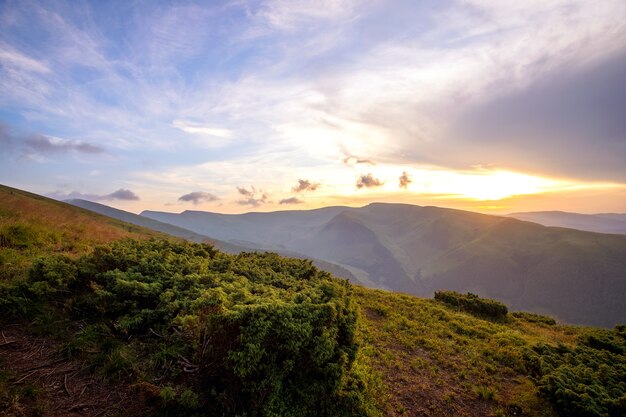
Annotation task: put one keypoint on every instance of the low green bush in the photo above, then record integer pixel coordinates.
(473, 304)
(534, 318)
(588, 380)
(252, 334)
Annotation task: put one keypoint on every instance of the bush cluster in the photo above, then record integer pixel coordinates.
(588, 380)
(248, 335)
(534, 318)
(473, 304)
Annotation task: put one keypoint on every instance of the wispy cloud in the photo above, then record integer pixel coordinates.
(41, 144)
(353, 160)
(198, 197)
(210, 95)
(19, 61)
(36, 144)
(198, 128)
(121, 194)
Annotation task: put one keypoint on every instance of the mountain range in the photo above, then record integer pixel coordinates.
(601, 223)
(577, 276)
(454, 355)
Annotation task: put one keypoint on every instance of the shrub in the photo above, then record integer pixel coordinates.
(252, 334)
(473, 304)
(534, 318)
(586, 380)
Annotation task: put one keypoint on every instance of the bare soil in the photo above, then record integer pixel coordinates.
(61, 386)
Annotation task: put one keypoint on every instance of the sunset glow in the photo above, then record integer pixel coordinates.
(492, 106)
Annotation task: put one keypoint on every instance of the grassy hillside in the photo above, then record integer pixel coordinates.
(110, 326)
(579, 277)
(32, 225)
(153, 225)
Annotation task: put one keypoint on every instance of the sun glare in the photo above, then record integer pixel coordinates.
(502, 184)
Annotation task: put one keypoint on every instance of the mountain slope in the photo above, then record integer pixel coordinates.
(601, 223)
(153, 224)
(415, 356)
(196, 237)
(578, 276)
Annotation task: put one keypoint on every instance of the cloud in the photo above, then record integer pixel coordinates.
(291, 14)
(198, 197)
(38, 144)
(18, 60)
(202, 129)
(41, 144)
(291, 200)
(121, 194)
(253, 197)
(246, 193)
(305, 185)
(568, 123)
(368, 181)
(404, 180)
(353, 160)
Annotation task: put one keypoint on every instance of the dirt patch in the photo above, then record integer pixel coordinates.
(59, 386)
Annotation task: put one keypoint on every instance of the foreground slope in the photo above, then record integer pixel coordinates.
(601, 223)
(31, 225)
(579, 277)
(114, 347)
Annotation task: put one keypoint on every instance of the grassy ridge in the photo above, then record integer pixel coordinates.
(32, 225)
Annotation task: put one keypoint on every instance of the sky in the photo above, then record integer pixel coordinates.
(235, 106)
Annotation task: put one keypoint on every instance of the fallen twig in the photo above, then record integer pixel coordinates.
(25, 376)
(44, 365)
(69, 394)
(81, 406)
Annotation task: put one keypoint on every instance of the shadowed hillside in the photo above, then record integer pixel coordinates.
(579, 277)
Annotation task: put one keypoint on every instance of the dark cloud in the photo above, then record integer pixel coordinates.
(198, 197)
(404, 180)
(351, 160)
(246, 193)
(41, 144)
(570, 123)
(38, 144)
(121, 194)
(368, 181)
(305, 185)
(291, 200)
(253, 196)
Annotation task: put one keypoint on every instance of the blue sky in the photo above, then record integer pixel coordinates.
(231, 106)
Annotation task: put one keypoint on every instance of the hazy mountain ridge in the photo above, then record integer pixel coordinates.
(228, 247)
(600, 223)
(578, 276)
